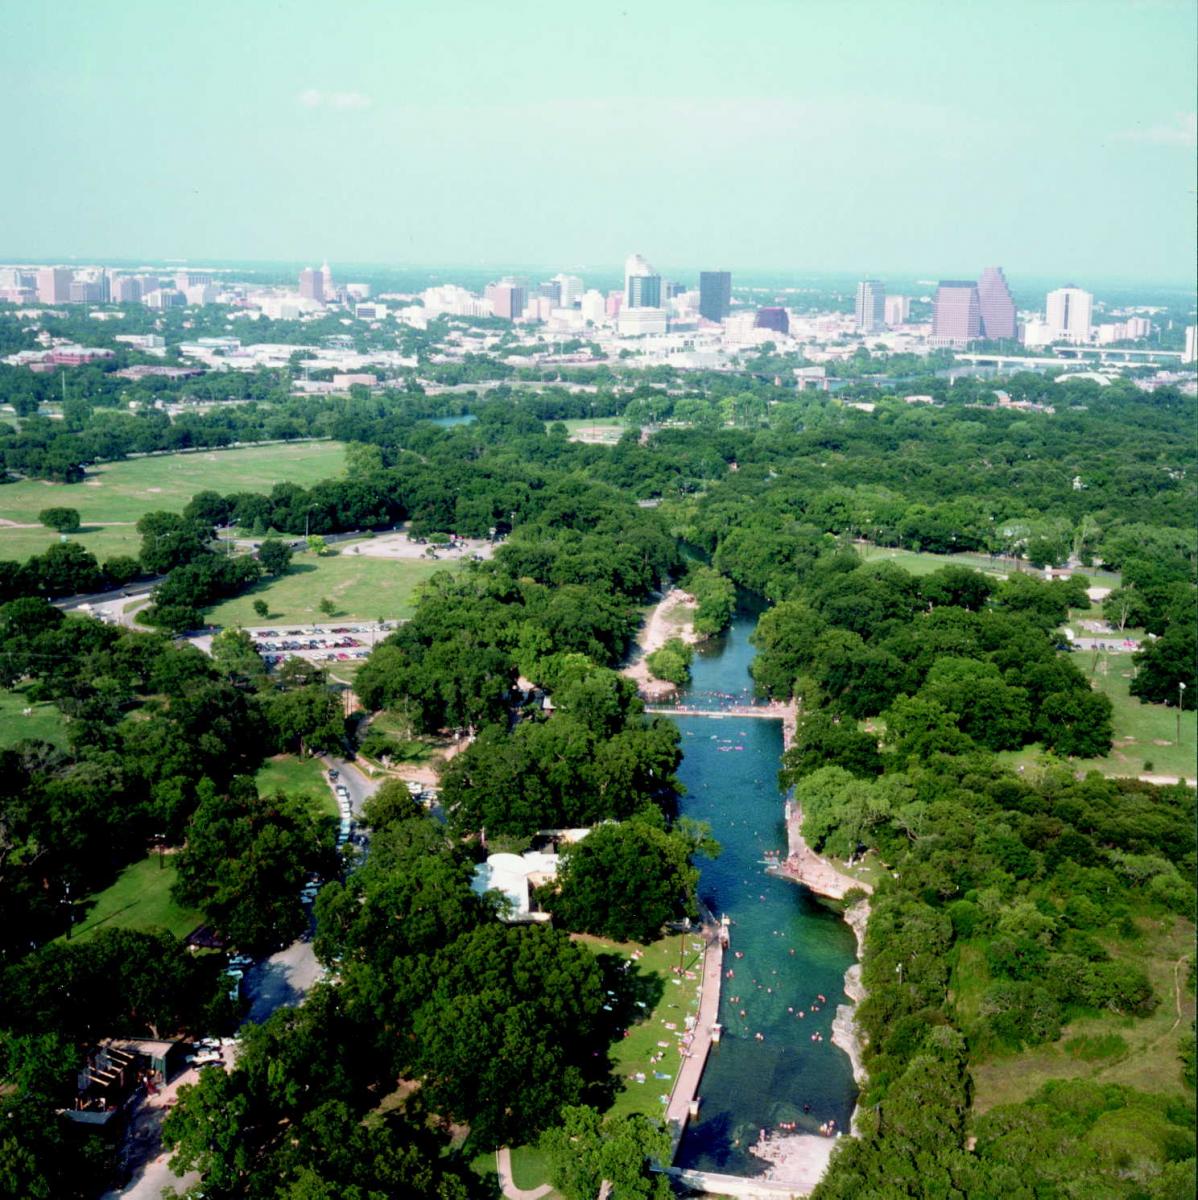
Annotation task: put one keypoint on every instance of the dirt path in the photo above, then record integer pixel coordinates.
(503, 1164)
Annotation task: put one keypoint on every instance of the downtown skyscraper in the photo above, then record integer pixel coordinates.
(997, 306)
(871, 305)
(715, 294)
(956, 313)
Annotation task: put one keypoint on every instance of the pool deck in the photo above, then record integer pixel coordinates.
(686, 1086)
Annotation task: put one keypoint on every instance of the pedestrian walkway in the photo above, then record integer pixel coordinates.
(503, 1164)
(686, 1086)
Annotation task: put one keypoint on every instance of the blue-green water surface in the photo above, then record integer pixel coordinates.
(786, 948)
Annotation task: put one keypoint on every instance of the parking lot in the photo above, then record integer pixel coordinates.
(320, 644)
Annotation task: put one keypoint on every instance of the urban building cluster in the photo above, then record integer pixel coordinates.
(650, 319)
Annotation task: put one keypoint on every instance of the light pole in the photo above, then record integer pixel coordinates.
(1181, 695)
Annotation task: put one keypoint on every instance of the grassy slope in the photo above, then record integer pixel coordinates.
(362, 588)
(45, 722)
(919, 562)
(298, 777)
(1138, 1052)
(140, 899)
(122, 492)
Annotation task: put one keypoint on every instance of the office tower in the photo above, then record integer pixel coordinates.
(871, 305)
(54, 285)
(896, 310)
(190, 279)
(552, 291)
(956, 313)
(593, 307)
(642, 285)
(1139, 327)
(1191, 350)
(1068, 312)
(772, 318)
(125, 289)
(569, 289)
(998, 308)
(509, 300)
(328, 289)
(715, 294)
(311, 284)
(84, 291)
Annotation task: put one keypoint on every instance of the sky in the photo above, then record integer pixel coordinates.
(934, 137)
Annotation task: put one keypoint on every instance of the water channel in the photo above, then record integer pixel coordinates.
(786, 949)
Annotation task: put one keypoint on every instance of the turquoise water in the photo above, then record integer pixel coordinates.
(794, 949)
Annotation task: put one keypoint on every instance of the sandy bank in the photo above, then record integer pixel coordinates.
(672, 617)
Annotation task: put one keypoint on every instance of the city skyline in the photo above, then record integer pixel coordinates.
(240, 153)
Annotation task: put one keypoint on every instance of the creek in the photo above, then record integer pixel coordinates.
(786, 949)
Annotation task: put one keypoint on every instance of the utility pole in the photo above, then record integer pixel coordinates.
(1181, 695)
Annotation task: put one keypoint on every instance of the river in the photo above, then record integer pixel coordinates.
(794, 949)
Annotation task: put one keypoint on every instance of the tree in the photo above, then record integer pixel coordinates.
(64, 520)
(587, 1150)
(623, 881)
(1164, 664)
(121, 569)
(824, 739)
(245, 860)
(275, 556)
(671, 662)
(327, 606)
(262, 609)
(317, 544)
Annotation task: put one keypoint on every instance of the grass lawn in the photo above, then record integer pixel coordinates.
(44, 722)
(601, 429)
(139, 899)
(298, 777)
(363, 589)
(530, 1167)
(1144, 733)
(919, 562)
(674, 1001)
(113, 496)
(1137, 1052)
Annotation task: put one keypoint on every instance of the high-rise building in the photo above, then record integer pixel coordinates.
(871, 305)
(569, 289)
(772, 318)
(593, 307)
(509, 300)
(1191, 350)
(1069, 312)
(956, 313)
(125, 289)
(551, 290)
(642, 285)
(85, 291)
(190, 279)
(1139, 327)
(998, 307)
(896, 310)
(311, 284)
(715, 294)
(326, 281)
(54, 285)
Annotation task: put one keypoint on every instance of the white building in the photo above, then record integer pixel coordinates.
(1069, 313)
(570, 289)
(1191, 353)
(636, 322)
(514, 876)
(871, 305)
(594, 307)
(896, 310)
(1034, 332)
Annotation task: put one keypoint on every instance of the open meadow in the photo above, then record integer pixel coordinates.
(115, 495)
(140, 898)
(361, 589)
(22, 719)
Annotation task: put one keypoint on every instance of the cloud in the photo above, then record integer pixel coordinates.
(1182, 132)
(339, 101)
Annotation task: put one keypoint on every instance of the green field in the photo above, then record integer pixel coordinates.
(919, 562)
(44, 722)
(601, 429)
(112, 497)
(1144, 733)
(298, 777)
(139, 899)
(363, 589)
(1107, 1047)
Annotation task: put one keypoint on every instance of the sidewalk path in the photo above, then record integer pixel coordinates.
(686, 1086)
(503, 1164)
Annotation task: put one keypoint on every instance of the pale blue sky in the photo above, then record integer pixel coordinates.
(930, 136)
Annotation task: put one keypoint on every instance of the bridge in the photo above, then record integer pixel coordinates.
(770, 712)
(1066, 356)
